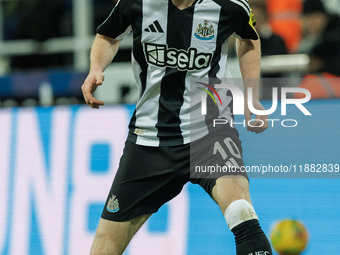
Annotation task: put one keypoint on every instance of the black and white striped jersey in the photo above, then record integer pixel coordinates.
(171, 47)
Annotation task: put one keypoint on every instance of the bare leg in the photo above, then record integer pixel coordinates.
(229, 189)
(112, 237)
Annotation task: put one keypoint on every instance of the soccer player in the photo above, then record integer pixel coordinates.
(174, 41)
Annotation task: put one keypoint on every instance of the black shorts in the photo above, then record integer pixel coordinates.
(148, 177)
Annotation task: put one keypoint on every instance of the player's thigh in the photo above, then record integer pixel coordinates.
(228, 189)
(112, 237)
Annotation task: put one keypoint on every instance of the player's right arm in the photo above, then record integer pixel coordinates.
(105, 47)
(103, 51)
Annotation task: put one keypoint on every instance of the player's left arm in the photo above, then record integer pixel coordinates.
(248, 49)
(249, 55)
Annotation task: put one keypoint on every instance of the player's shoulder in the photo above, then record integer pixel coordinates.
(234, 6)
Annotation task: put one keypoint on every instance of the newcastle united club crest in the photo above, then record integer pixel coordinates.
(205, 31)
(113, 204)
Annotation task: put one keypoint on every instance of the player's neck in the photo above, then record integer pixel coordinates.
(182, 4)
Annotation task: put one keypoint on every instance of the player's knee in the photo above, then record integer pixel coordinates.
(228, 190)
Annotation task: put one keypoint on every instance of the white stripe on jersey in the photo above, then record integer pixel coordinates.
(148, 106)
(224, 112)
(245, 3)
(210, 15)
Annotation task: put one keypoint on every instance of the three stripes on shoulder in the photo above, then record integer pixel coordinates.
(155, 27)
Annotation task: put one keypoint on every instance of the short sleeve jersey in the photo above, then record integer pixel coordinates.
(170, 48)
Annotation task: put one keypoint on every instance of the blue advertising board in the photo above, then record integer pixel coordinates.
(57, 164)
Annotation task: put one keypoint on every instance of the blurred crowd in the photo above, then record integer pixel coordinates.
(285, 26)
(309, 27)
(42, 20)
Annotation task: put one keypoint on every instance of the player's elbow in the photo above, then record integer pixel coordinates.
(243, 46)
(248, 43)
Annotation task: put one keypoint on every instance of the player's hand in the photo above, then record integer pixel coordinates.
(93, 80)
(260, 123)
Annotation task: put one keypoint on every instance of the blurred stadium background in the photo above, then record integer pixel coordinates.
(56, 166)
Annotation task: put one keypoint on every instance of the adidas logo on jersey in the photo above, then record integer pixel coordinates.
(155, 27)
(160, 55)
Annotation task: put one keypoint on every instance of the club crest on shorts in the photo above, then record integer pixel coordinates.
(205, 31)
(113, 204)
